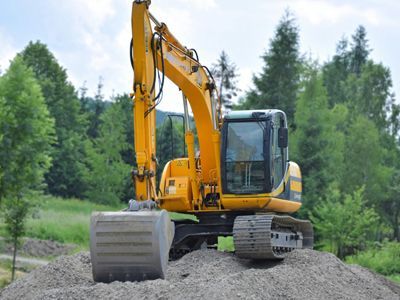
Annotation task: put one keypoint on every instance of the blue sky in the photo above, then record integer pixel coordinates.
(90, 38)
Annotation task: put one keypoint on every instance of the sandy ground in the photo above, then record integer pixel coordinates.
(208, 274)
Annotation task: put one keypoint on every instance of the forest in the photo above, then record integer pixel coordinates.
(344, 133)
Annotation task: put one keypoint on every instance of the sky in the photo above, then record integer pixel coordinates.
(90, 38)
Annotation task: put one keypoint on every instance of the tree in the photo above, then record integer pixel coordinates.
(364, 160)
(97, 109)
(65, 177)
(359, 50)
(107, 173)
(390, 207)
(316, 143)
(225, 74)
(369, 94)
(170, 142)
(336, 72)
(2, 119)
(394, 119)
(346, 62)
(26, 131)
(277, 85)
(15, 213)
(343, 222)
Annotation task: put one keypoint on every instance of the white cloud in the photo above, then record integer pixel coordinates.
(96, 34)
(319, 12)
(179, 20)
(7, 50)
(93, 13)
(200, 4)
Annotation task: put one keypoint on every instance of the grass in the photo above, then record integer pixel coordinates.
(384, 259)
(225, 244)
(65, 221)
(395, 278)
(180, 216)
(5, 273)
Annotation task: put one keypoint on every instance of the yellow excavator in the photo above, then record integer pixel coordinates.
(240, 184)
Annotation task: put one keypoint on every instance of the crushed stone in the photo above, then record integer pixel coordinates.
(209, 274)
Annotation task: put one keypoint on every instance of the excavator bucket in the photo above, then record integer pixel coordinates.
(130, 246)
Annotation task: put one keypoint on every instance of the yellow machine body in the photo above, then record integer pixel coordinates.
(182, 178)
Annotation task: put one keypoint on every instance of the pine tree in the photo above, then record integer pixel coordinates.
(65, 177)
(225, 74)
(359, 50)
(96, 111)
(83, 98)
(363, 85)
(277, 85)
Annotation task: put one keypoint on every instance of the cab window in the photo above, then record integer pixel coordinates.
(278, 155)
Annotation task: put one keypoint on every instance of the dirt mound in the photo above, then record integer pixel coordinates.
(208, 274)
(41, 248)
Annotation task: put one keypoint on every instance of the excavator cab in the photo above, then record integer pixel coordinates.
(254, 152)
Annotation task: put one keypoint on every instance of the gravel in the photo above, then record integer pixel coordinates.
(40, 248)
(208, 274)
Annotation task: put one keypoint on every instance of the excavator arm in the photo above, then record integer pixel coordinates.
(157, 49)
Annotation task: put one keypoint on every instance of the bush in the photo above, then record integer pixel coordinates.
(384, 259)
(344, 223)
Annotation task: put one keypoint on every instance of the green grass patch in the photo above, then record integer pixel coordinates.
(395, 278)
(5, 273)
(384, 259)
(225, 244)
(180, 216)
(62, 220)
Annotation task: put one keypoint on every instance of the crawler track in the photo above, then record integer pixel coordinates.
(270, 236)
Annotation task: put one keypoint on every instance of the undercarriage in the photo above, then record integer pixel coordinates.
(135, 246)
(255, 236)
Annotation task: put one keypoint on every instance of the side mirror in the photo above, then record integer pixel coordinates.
(283, 137)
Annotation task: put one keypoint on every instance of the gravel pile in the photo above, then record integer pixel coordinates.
(209, 274)
(41, 248)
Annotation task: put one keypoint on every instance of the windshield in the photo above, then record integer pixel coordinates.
(244, 159)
